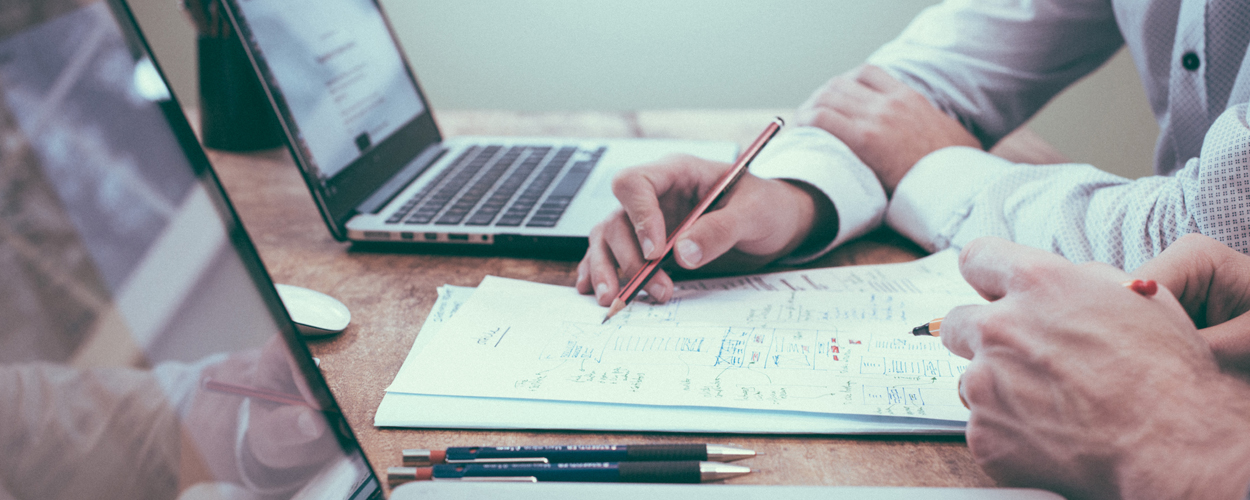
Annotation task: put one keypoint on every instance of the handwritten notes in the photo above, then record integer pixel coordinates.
(835, 349)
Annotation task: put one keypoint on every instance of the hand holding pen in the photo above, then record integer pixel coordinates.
(258, 394)
(761, 220)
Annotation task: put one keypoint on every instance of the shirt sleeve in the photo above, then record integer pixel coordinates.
(955, 195)
(815, 157)
(992, 65)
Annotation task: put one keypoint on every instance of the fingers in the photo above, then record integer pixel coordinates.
(994, 266)
(1230, 343)
(710, 237)
(1211, 280)
(878, 79)
(613, 252)
(839, 107)
(676, 182)
(961, 332)
(288, 436)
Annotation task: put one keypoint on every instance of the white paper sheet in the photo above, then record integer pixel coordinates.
(809, 351)
(424, 411)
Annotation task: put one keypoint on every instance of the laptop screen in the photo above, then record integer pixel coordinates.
(342, 77)
(143, 352)
(352, 111)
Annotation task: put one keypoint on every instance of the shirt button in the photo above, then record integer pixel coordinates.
(1190, 61)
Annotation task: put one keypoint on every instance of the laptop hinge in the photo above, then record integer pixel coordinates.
(400, 180)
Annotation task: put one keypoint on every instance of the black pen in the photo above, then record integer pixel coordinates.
(576, 453)
(689, 471)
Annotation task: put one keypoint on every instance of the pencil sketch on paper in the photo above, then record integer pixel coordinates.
(791, 351)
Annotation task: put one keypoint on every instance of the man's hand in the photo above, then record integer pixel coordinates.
(1079, 385)
(761, 221)
(886, 123)
(283, 445)
(1212, 282)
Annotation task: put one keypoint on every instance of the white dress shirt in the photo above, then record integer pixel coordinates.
(992, 65)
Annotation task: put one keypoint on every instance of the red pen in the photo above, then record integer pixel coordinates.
(722, 186)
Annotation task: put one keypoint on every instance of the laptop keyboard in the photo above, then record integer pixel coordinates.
(456, 195)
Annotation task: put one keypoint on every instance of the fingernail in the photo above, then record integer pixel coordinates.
(307, 424)
(647, 247)
(690, 252)
(656, 292)
(581, 276)
(601, 289)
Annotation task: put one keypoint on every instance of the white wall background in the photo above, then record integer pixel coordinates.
(538, 55)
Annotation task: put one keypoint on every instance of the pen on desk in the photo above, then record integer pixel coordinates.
(576, 453)
(932, 328)
(690, 471)
(255, 392)
(718, 191)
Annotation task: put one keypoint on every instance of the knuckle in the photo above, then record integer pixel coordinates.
(623, 180)
(1200, 243)
(1031, 274)
(995, 328)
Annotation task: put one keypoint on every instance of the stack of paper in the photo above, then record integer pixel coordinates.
(814, 351)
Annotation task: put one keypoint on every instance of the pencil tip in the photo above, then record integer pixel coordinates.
(617, 305)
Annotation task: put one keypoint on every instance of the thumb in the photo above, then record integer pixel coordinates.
(709, 237)
(1230, 342)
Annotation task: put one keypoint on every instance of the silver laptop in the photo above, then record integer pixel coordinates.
(361, 130)
(144, 352)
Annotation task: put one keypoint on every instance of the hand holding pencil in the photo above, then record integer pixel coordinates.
(761, 220)
(258, 395)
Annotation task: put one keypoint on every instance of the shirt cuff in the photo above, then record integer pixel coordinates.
(936, 195)
(815, 157)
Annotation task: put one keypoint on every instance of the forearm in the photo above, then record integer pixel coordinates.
(956, 195)
(993, 65)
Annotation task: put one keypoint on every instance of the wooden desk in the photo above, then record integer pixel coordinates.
(390, 295)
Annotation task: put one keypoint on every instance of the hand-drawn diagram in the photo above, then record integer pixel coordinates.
(799, 351)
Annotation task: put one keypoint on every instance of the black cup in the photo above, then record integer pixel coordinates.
(235, 114)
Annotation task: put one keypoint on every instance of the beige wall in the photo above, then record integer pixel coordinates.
(536, 55)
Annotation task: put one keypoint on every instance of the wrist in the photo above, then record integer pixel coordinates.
(818, 219)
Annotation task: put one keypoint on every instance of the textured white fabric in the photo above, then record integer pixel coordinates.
(1076, 210)
(1224, 180)
(991, 65)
